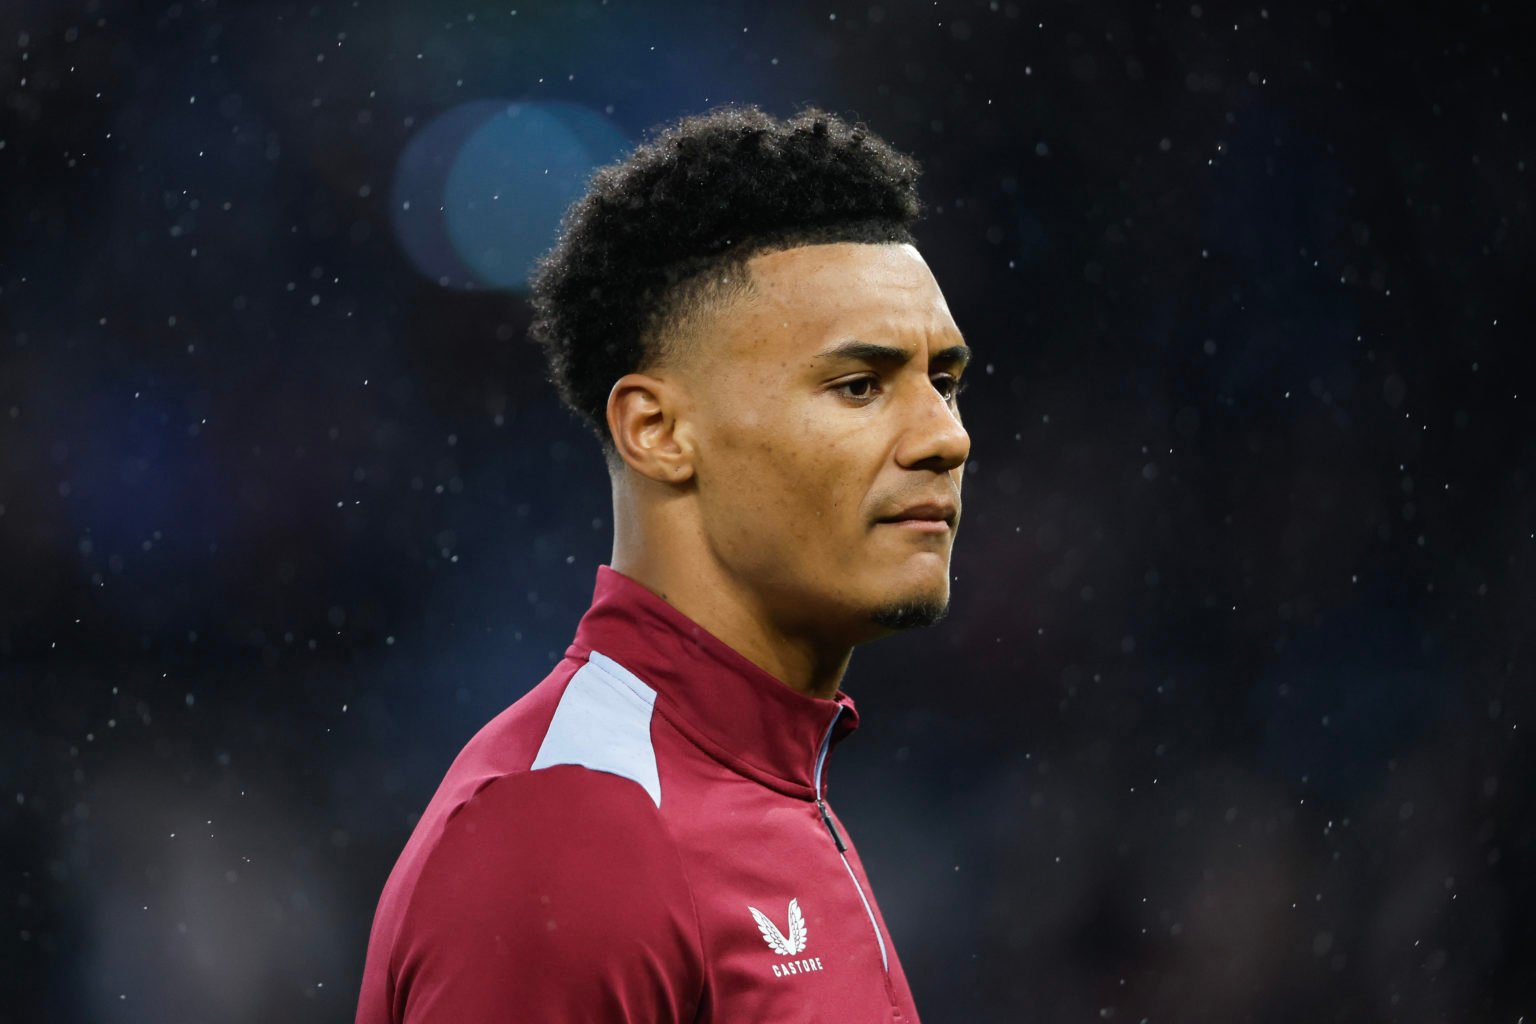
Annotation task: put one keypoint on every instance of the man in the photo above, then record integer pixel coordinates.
(738, 311)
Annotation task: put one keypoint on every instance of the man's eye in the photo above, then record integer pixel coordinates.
(949, 387)
(859, 387)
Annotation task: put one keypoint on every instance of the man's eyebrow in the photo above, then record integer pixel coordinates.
(869, 352)
(958, 356)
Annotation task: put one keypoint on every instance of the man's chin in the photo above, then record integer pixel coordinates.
(911, 613)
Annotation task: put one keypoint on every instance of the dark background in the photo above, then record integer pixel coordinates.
(1226, 721)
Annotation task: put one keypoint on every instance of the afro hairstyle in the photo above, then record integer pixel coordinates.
(665, 232)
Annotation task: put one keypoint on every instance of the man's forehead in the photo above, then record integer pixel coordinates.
(815, 292)
(882, 264)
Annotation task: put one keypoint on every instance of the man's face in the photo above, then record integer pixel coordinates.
(807, 437)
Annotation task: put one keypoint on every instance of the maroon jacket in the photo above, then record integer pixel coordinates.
(643, 837)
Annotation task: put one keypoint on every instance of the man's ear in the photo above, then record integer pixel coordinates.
(643, 420)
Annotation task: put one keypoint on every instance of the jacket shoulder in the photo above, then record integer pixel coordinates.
(593, 713)
(559, 888)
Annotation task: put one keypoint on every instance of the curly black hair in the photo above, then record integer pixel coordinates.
(662, 234)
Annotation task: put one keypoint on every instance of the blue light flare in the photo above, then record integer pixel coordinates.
(480, 190)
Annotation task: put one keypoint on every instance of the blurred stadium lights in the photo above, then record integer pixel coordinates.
(479, 190)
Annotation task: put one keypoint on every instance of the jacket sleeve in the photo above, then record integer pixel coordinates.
(553, 895)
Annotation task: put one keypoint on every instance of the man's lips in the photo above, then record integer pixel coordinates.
(917, 525)
(931, 515)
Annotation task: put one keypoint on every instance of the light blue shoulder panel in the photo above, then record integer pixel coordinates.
(603, 722)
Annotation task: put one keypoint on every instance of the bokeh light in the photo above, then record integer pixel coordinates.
(480, 189)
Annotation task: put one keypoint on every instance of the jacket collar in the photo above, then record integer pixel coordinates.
(738, 713)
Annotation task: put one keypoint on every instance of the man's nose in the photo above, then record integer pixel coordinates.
(935, 434)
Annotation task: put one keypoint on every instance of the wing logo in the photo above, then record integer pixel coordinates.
(784, 945)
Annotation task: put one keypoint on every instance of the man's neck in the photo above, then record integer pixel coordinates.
(735, 617)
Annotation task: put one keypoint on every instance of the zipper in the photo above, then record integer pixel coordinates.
(826, 743)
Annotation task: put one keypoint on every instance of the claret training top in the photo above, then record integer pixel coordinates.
(642, 837)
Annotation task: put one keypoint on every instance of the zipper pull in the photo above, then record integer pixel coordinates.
(841, 848)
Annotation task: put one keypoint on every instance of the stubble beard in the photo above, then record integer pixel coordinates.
(912, 613)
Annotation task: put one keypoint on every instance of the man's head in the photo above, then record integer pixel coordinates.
(738, 310)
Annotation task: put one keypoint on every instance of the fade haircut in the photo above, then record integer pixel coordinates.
(663, 236)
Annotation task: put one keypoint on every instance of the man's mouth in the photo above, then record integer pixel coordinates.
(917, 525)
(928, 517)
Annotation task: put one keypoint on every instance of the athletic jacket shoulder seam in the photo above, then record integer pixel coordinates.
(617, 680)
(435, 845)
